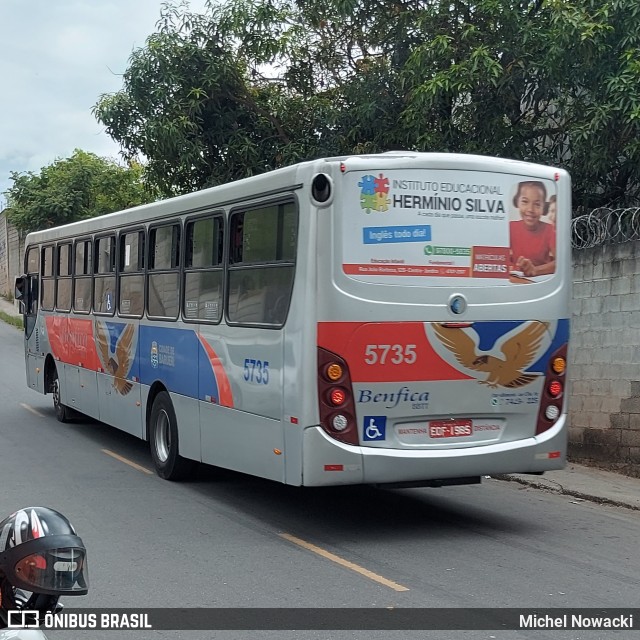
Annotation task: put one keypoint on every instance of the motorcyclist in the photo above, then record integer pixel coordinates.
(41, 558)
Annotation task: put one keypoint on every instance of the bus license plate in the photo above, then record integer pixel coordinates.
(450, 428)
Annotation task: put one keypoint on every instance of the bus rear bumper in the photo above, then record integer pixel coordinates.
(330, 462)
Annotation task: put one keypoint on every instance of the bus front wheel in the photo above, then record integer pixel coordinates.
(63, 413)
(163, 440)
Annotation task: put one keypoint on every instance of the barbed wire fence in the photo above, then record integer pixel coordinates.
(605, 226)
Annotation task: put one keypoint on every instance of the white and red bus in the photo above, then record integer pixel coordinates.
(399, 318)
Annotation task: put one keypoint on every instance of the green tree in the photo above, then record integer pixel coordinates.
(193, 110)
(255, 84)
(81, 186)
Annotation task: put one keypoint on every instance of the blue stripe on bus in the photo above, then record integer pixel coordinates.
(177, 359)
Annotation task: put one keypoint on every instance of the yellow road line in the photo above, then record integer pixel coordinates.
(129, 462)
(32, 410)
(345, 563)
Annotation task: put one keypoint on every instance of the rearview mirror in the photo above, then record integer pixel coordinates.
(21, 288)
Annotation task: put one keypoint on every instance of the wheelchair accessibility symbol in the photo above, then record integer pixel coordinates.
(375, 428)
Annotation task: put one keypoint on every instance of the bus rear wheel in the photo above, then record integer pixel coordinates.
(63, 413)
(163, 440)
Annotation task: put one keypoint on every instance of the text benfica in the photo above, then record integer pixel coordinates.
(391, 400)
(575, 622)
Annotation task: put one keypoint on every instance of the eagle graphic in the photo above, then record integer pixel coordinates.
(119, 363)
(506, 370)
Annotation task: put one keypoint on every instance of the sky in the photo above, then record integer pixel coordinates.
(57, 57)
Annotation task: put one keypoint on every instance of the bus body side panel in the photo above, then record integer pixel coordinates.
(119, 403)
(97, 365)
(118, 375)
(81, 386)
(35, 371)
(240, 392)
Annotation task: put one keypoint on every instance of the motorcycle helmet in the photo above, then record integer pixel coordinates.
(40, 552)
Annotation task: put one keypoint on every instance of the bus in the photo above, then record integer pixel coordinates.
(394, 319)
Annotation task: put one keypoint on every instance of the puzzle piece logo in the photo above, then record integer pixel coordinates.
(374, 193)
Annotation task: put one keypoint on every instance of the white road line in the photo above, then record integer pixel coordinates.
(32, 410)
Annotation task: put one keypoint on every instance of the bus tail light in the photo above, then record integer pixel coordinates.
(558, 364)
(335, 398)
(555, 388)
(553, 392)
(552, 412)
(334, 371)
(339, 422)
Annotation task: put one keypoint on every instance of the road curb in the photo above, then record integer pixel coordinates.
(552, 486)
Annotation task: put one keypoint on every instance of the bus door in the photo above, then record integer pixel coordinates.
(27, 291)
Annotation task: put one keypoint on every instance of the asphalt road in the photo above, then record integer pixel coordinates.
(229, 540)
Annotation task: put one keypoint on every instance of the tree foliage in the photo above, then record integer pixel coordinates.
(192, 109)
(81, 186)
(255, 84)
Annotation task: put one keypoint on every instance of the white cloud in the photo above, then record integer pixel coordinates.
(56, 59)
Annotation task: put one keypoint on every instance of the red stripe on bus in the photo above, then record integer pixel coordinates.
(72, 341)
(222, 380)
(386, 351)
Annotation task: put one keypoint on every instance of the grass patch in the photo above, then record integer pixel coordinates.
(16, 322)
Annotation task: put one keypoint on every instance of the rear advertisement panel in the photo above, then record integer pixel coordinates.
(488, 228)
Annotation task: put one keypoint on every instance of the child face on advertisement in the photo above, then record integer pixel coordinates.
(531, 201)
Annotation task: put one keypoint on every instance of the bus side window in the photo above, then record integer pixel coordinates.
(163, 285)
(262, 264)
(279, 295)
(63, 277)
(204, 269)
(248, 298)
(104, 283)
(82, 272)
(131, 272)
(48, 279)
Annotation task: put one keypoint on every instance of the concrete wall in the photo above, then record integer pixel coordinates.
(11, 248)
(605, 357)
